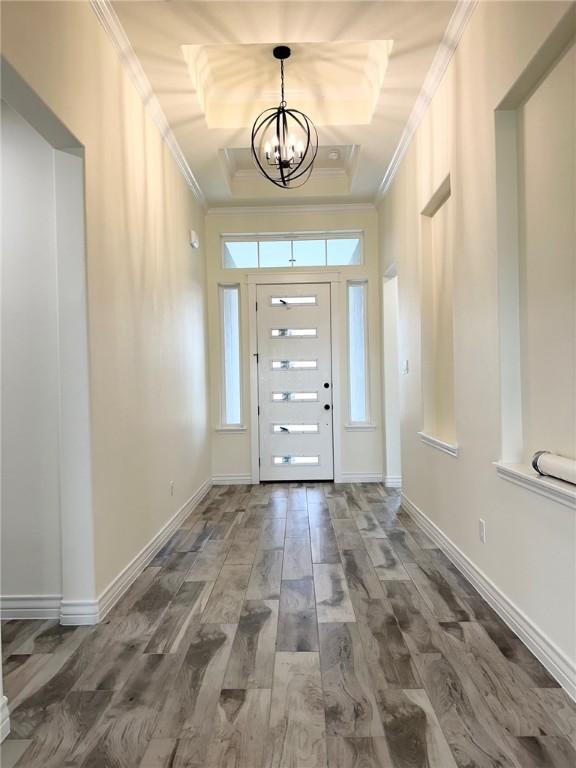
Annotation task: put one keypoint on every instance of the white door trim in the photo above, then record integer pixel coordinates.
(293, 276)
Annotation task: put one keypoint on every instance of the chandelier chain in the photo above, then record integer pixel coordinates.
(283, 100)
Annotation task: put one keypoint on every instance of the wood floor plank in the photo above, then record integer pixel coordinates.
(390, 661)
(517, 708)
(468, 730)
(420, 629)
(159, 754)
(297, 562)
(444, 603)
(227, 596)
(237, 733)
(562, 709)
(122, 733)
(387, 564)
(243, 547)
(510, 645)
(188, 710)
(355, 752)
(186, 604)
(11, 750)
(72, 720)
(324, 544)
(297, 523)
(347, 535)
(266, 575)
(297, 625)
(273, 532)
(413, 733)
(349, 700)
(369, 526)
(363, 582)
(333, 602)
(318, 514)
(251, 663)
(297, 728)
(539, 751)
(210, 560)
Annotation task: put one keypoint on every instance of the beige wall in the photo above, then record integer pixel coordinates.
(146, 286)
(361, 451)
(529, 553)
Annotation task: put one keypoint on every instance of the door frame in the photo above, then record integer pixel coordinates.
(284, 278)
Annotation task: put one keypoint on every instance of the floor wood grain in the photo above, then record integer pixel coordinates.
(300, 625)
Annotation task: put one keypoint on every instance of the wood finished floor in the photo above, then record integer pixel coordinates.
(300, 626)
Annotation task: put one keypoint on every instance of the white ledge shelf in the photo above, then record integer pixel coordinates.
(526, 477)
(360, 427)
(441, 445)
(233, 429)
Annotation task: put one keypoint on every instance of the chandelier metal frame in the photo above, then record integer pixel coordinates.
(281, 161)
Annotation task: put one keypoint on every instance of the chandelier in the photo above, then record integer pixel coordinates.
(284, 141)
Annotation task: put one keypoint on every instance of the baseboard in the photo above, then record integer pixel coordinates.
(393, 481)
(361, 477)
(79, 613)
(232, 480)
(126, 578)
(30, 606)
(4, 718)
(546, 651)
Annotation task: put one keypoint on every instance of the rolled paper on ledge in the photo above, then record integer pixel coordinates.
(552, 465)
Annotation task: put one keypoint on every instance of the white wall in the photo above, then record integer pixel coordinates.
(146, 286)
(31, 557)
(361, 450)
(529, 555)
(391, 366)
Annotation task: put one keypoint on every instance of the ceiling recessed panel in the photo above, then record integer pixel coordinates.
(335, 83)
(356, 69)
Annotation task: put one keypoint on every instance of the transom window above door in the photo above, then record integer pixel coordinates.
(284, 251)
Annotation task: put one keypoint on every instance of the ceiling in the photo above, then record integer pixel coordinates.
(356, 70)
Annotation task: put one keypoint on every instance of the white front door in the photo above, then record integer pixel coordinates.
(295, 382)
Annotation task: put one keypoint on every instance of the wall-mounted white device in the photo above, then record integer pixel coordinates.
(194, 239)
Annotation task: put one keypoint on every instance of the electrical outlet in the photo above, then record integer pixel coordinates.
(482, 530)
(171, 487)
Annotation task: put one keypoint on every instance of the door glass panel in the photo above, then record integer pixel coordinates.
(300, 460)
(309, 253)
(229, 303)
(295, 397)
(241, 254)
(275, 253)
(287, 365)
(293, 300)
(287, 429)
(357, 360)
(343, 251)
(286, 333)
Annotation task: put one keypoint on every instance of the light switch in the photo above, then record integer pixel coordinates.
(404, 368)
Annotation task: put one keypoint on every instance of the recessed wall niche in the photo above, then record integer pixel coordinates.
(437, 321)
(536, 181)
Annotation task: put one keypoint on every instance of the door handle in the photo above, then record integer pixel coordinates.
(326, 407)
(326, 385)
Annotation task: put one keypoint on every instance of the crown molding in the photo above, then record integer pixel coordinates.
(454, 31)
(112, 26)
(290, 209)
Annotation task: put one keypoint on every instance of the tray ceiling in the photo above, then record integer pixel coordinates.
(357, 69)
